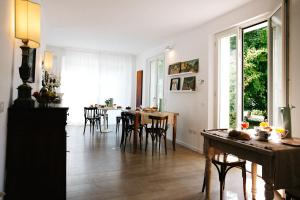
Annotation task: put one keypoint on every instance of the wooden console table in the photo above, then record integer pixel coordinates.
(280, 163)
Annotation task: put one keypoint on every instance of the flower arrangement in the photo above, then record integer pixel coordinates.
(50, 81)
(44, 97)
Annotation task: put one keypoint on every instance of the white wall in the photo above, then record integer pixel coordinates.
(295, 65)
(196, 109)
(6, 65)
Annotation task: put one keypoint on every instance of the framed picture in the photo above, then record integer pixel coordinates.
(174, 68)
(190, 66)
(189, 83)
(31, 64)
(175, 84)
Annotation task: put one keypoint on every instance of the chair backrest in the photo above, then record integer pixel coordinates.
(90, 112)
(159, 123)
(128, 119)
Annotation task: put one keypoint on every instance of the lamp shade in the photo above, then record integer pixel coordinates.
(48, 60)
(28, 22)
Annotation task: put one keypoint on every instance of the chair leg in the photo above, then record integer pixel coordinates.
(222, 175)
(153, 138)
(159, 139)
(165, 137)
(84, 126)
(147, 134)
(203, 185)
(244, 181)
(90, 126)
(107, 121)
(125, 141)
(141, 137)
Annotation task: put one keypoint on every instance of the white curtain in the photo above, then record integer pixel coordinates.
(89, 78)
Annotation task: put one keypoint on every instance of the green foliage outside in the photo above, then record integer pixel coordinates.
(255, 74)
(256, 71)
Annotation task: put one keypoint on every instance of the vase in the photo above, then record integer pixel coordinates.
(43, 105)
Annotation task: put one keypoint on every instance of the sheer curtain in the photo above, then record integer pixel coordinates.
(91, 77)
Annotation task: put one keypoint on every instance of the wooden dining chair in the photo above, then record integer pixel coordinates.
(128, 126)
(158, 128)
(224, 162)
(91, 115)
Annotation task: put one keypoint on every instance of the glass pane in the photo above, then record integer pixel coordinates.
(160, 80)
(153, 82)
(156, 82)
(278, 92)
(255, 74)
(228, 81)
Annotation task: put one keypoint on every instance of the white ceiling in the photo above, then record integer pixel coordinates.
(129, 26)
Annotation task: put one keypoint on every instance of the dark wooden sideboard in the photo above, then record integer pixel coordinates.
(36, 154)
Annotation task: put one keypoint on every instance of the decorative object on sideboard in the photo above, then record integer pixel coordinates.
(189, 83)
(50, 82)
(175, 84)
(27, 28)
(109, 102)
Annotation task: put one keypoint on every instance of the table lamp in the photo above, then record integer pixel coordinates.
(27, 28)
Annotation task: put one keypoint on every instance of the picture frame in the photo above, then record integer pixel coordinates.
(174, 68)
(175, 84)
(31, 64)
(189, 83)
(190, 66)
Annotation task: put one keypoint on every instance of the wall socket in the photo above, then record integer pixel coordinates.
(1, 107)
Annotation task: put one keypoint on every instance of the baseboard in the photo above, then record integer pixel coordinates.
(191, 147)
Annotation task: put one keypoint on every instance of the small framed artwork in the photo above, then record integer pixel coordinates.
(175, 84)
(189, 83)
(190, 66)
(31, 64)
(174, 68)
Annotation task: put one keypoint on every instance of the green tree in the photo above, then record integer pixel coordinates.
(256, 70)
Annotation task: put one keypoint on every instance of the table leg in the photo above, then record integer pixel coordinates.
(174, 132)
(254, 175)
(135, 135)
(269, 190)
(105, 122)
(208, 156)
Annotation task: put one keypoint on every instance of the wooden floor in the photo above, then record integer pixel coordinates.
(97, 169)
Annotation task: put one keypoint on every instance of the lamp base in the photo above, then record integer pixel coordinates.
(24, 99)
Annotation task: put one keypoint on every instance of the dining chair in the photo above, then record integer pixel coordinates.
(91, 115)
(128, 126)
(158, 128)
(224, 162)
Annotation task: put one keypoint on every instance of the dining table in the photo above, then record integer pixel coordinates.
(142, 117)
(104, 110)
(280, 162)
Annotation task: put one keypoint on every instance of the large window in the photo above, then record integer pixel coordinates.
(89, 78)
(251, 78)
(156, 90)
